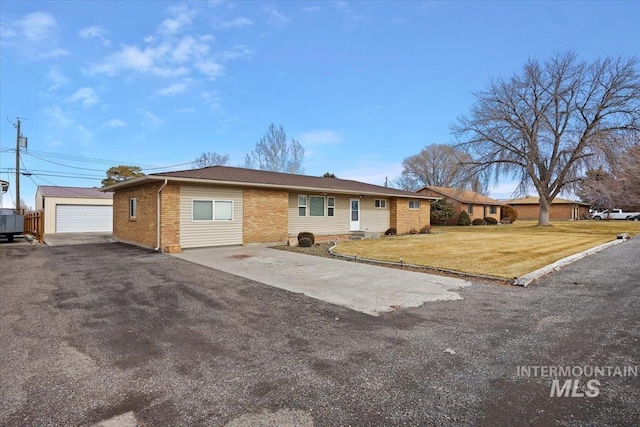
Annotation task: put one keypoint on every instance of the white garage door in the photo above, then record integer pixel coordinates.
(84, 218)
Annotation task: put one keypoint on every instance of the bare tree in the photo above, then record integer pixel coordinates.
(211, 159)
(440, 165)
(618, 186)
(549, 123)
(273, 153)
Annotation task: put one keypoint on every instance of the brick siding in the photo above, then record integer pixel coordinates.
(142, 229)
(478, 210)
(557, 211)
(404, 219)
(265, 216)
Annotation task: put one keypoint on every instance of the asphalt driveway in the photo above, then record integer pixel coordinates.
(93, 332)
(366, 288)
(64, 239)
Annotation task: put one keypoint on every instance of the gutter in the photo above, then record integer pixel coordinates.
(158, 219)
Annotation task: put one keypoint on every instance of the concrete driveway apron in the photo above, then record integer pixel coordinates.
(366, 288)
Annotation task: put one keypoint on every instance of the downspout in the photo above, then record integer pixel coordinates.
(158, 219)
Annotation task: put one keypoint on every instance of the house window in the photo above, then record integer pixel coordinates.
(380, 203)
(470, 208)
(223, 210)
(331, 206)
(202, 210)
(212, 210)
(492, 210)
(316, 206)
(302, 205)
(414, 204)
(133, 207)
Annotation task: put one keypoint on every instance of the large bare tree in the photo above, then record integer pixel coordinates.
(440, 165)
(546, 125)
(273, 153)
(210, 158)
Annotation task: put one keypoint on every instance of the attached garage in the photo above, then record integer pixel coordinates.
(84, 218)
(75, 209)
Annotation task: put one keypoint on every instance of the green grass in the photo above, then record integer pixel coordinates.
(504, 251)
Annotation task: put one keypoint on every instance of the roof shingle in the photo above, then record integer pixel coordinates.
(464, 196)
(83, 192)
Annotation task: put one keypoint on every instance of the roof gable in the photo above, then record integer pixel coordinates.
(464, 196)
(82, 192)
(531, 200)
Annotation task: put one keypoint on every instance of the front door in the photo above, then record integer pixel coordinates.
(354, 223)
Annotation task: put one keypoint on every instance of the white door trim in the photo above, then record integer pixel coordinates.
(354, 225)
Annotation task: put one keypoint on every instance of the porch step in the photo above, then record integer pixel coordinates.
(359, 235)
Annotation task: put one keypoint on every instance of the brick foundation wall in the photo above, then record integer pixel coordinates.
(404, 219)
(265, 217)
(142, 229)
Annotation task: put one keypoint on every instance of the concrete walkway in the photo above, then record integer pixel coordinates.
(366, 288)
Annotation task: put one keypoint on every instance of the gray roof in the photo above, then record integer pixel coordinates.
(81, 192)
(225, 175)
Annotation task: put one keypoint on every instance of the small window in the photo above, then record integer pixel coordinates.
(302, 205)
(492, 210)
(414, 204)
(223, 210)
(331, 206)
(470, 208)
(202, 210)
(380, 203)
(316, 206)
(133, 207)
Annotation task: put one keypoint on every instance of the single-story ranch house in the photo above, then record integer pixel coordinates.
(75, 209)
(222, 205)
(561, 209)
(476, 205)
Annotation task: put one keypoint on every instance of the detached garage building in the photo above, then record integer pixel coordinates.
(75, 209)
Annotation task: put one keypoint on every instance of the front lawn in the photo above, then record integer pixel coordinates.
(504, 251)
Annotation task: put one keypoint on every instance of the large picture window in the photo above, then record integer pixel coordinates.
(212, 210)
(316, 206)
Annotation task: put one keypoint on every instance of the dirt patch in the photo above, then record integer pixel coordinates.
(318, 249)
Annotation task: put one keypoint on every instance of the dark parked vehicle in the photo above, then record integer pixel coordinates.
(634, 218)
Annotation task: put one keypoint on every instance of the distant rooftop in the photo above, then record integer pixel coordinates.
(84, 192)
(531, 200)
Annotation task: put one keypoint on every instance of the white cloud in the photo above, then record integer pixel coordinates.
(57, 79)
(85, 95)
(53, 53)
(57, 117)
(181, 17)
(37, 26)
(173, 89)
(152, 119)
(233, 23)
(209, 68)
(95, 32)
(320, 136)
(114, 123)
(275, 17)
(237, 52)
(374, 173)
(82, 133)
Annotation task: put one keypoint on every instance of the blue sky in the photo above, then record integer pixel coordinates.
(361, 85)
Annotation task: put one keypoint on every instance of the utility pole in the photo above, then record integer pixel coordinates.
(18, 167)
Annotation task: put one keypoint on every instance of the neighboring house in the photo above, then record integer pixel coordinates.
(75, 209)
(222, 205)
(561, 209)
(476, 205)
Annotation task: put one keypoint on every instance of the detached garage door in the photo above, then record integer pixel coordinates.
(84, 218)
